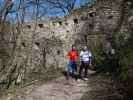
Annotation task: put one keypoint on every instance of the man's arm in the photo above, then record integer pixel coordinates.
(68, 55)
(90, 58)
(80, 55)
(90, 62)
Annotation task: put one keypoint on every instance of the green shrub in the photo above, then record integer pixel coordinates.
(124, 44)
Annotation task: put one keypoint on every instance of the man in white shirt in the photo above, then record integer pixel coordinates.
(85, 59)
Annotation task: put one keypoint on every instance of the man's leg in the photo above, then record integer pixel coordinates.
(72, 67)
(86, 69)
(69, 69)
(81, 69)
(75, 70)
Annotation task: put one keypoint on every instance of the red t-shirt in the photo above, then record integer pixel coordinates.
(72, 55)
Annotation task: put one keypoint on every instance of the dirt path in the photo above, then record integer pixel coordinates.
(98, 87)
(59, 89)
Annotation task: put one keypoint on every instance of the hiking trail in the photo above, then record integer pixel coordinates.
(98, 87)
(58, 89)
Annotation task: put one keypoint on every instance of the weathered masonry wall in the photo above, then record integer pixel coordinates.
(76, 28)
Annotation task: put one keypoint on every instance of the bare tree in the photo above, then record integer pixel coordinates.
(7, 5)
(12, 70)
(64, 5)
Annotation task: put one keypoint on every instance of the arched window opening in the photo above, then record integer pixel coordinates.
(66, 23)
(60, 22)
(67, 31)
(53, 23)
(37, 44)
(75, 21)
(90, 25)
(28, 26)
(92, 14)
(23, 44)
(110, 17)
(58, 52)
(40, 25)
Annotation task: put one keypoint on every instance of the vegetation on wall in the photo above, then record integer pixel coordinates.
(123, 43)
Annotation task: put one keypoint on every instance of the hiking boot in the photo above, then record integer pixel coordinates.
(78, 80)
(86, 79)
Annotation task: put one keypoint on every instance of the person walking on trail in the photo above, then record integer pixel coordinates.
(72, 65)
(85, 59)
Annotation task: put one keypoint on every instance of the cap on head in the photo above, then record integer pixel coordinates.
(73, 47)
(85, 47)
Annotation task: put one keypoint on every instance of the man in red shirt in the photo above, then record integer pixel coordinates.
(72, 65)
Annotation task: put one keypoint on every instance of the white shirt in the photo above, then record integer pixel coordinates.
(85, 56)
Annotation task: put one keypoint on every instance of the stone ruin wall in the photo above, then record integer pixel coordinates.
(53, 39)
